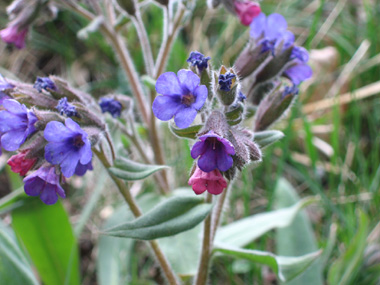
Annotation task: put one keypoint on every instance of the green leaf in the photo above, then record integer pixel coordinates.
(14, 267)
(190, 132)
(266, 138)
(286, 268)
(298, 238)
(48, 237)
(244, 231)
(114, 254)
(13, 200)
(130, 170)
(172, 216)
(346, 267)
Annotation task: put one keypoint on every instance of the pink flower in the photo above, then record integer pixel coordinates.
(212, 181)
(12, 35)
(246, 11)
(20, 164)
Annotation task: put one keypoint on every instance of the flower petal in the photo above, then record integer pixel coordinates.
(164, 107)
(223, 160)
(12, 140)
(56, 132)
(207, 162)
(188, 80)
(73, 126)
(199, 187)
(198, 149)
(55, 153)
(257, 26)
(184, 117)
(168, 84)
(299, 73)
(69, 164)
(275, 27)
(14, 106)
(200, 94)
(33, 185)
(48, 194)
(214, 187)
(86, 153)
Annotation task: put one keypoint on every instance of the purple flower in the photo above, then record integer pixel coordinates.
(182, 97)
(44, 83)
(44, 183)
(16, 124)
(271, 31)
(214, 151)
(111, 106)
(66, 108)
(4, 85)
(81, 169)
(290, 90)
(241, 97)
(12, 35)
(68, 146)
(225, 81)
(199, 60)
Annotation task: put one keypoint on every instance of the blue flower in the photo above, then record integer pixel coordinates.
(44, 183)
(182, 97)
(66, 108)
(111, 106)
(270, 32)
(68, 146)
(298, 72)
(241, 97)
(44, 83)
(225, 81)
(290, 90)
(16, 124)
(199, 60)
(4, 85)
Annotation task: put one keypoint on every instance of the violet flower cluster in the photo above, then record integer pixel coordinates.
(65, 147)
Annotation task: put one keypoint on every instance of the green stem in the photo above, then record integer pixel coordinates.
(201, 278)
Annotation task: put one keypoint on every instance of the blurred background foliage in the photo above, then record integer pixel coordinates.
(331, 145)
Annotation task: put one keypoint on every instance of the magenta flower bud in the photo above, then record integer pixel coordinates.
(44, 183)
(19, 163)
(212, 181)
(247, 11)
(12, 35)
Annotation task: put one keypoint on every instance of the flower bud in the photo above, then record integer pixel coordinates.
(246, 11)
(274, 106)
(227, 86)
(250, 60)
(128, 6)
(20, 164)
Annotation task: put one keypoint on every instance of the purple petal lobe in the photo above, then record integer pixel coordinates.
(276, 26)
(188, 80)
(258, 26)
(164, 107)
(185, 117)
(200, 94)
(168, 84)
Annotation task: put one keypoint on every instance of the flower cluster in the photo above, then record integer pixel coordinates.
(52, 149)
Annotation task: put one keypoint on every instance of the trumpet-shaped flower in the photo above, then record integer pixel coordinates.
(68, 146)
(20, 164)
(13, 35)
(246, 11)
(181, 97)
(212, 181)
(44, 183)
(214, 151)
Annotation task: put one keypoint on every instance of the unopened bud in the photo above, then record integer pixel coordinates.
(217, 123)
(227, 86)
(128, 6)
(274, 107)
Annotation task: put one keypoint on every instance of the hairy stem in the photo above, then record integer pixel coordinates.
(218, 211)
(201, 278)
(124, 191)
(145, 45)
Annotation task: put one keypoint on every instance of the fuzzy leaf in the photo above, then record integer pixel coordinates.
(130, 170)
(190, 132)
(286, 268)
(172, 216)
(244, 231)
(289, 241)
(266, 138)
